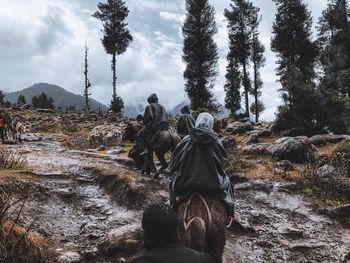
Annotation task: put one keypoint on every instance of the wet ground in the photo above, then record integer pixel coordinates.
(82, 217)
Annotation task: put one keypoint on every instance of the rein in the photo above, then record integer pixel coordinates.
(187, 225)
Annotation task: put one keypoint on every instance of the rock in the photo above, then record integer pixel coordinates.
(341, 213)
(298, 131)
(284, 165)
(45, 110)
(118, 150)
(100, 148)
(228, 142)
(259, 149)
(291, 149)
(304, 246)
(108, 135)
(254, 138)
(239, 127)
(318, 140)
(326, 171)
(332, 138)
(260, 132)
(69, 257)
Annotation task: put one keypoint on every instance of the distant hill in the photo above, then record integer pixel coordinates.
(62, 97)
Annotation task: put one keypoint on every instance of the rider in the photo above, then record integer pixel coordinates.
(159, 224)
(185, 122)
(2, 127)
(197, 164)
(155, 118)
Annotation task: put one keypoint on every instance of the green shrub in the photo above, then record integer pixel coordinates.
(343, 148)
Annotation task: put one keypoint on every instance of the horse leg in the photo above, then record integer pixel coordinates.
(163, 162)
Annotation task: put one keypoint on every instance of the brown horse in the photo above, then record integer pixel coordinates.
(202, 220)
(162, 142)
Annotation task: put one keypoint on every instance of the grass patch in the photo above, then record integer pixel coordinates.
(11, 160)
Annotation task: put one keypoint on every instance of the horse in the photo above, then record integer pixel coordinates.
(162, 142)
(17, 128)
(202, 218)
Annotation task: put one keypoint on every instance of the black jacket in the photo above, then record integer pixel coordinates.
(174, 253)
(155, 116)
(184, 124)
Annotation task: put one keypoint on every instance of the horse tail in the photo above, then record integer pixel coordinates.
(196, 234)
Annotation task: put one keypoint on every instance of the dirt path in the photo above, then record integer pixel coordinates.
(76, 212)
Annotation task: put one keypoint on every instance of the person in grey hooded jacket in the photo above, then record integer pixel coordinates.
(198, 164)
(185, 122)
(155, 118)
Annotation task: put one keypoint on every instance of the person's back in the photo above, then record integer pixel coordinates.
(155, 116)
(185, 122)
(159, 224)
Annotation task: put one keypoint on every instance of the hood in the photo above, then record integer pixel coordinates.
(153, 98)
(203, 135)
(185, 110)
(205, 120)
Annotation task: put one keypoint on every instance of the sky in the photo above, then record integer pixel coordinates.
(43, 41)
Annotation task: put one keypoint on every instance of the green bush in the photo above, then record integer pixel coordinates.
(343, 148)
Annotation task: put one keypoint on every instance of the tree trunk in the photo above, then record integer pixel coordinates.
(256, 92)
(246, 89)
(86, 91)
(114, 94)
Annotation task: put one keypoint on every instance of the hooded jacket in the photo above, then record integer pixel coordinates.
(185, 122)
(198, 161)
(155, 116)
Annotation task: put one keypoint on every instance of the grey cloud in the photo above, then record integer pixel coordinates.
(53, 31)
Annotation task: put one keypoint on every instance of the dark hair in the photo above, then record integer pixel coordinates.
(185, 109)
(139, 117)
(159, 223)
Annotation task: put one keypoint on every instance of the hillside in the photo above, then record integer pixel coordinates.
(62, 97)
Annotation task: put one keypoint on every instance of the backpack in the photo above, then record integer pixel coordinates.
(2, 123)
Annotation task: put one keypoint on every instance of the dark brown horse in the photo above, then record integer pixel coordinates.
(162, 142)
(202, 220)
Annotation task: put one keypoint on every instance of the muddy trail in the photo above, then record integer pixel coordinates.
(90, 224)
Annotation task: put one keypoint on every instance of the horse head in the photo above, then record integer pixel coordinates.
(130, 131)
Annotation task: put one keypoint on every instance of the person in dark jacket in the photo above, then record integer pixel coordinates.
(155, 118)
(198, 164)
(185, 122)
(2, 127)
(159, 224)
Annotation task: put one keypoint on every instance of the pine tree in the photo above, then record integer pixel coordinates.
(296, 52)
(258, 60)
(87, 83)
(200, 54)
(21, 100)
(42, 101)
(334, 40)
(2, 96)
(232, 85)
(242, 19)
(116, 38)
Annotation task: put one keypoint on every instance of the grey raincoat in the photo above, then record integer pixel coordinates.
(198, 164)
(185, 122)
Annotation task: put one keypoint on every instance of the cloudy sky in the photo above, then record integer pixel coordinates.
(42, 41)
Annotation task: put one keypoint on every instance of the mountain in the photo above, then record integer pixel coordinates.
(131, 111)
(62, 97)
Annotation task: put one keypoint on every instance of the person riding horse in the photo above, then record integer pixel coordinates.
(197, 165)
(155, 119)
(2, 127)
(185, 122)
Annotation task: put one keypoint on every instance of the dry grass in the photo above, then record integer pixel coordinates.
(17, 243)
(11, 160)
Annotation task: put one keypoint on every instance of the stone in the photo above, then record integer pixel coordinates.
(108, 135)
(326, 171)
(284, 165)
(291, 149)
(258, 148)
(260, 132)
(118, 150)
(318, 140)
(45, 110)
(239, 127)
(100, 148)
(254, 138)
(69, 257)
(332, 138)
(228, 142)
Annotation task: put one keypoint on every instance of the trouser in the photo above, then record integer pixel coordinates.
(2, 135)
(142, 138)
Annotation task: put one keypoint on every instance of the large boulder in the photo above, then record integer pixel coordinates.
(239, 127)
(108, 135)
(335, 138)
(291, 149)
(318, 140)
(260, 132)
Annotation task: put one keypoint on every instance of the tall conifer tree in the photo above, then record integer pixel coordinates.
(200, 54)
(242, 18)
(116, 38)
(87, 83)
